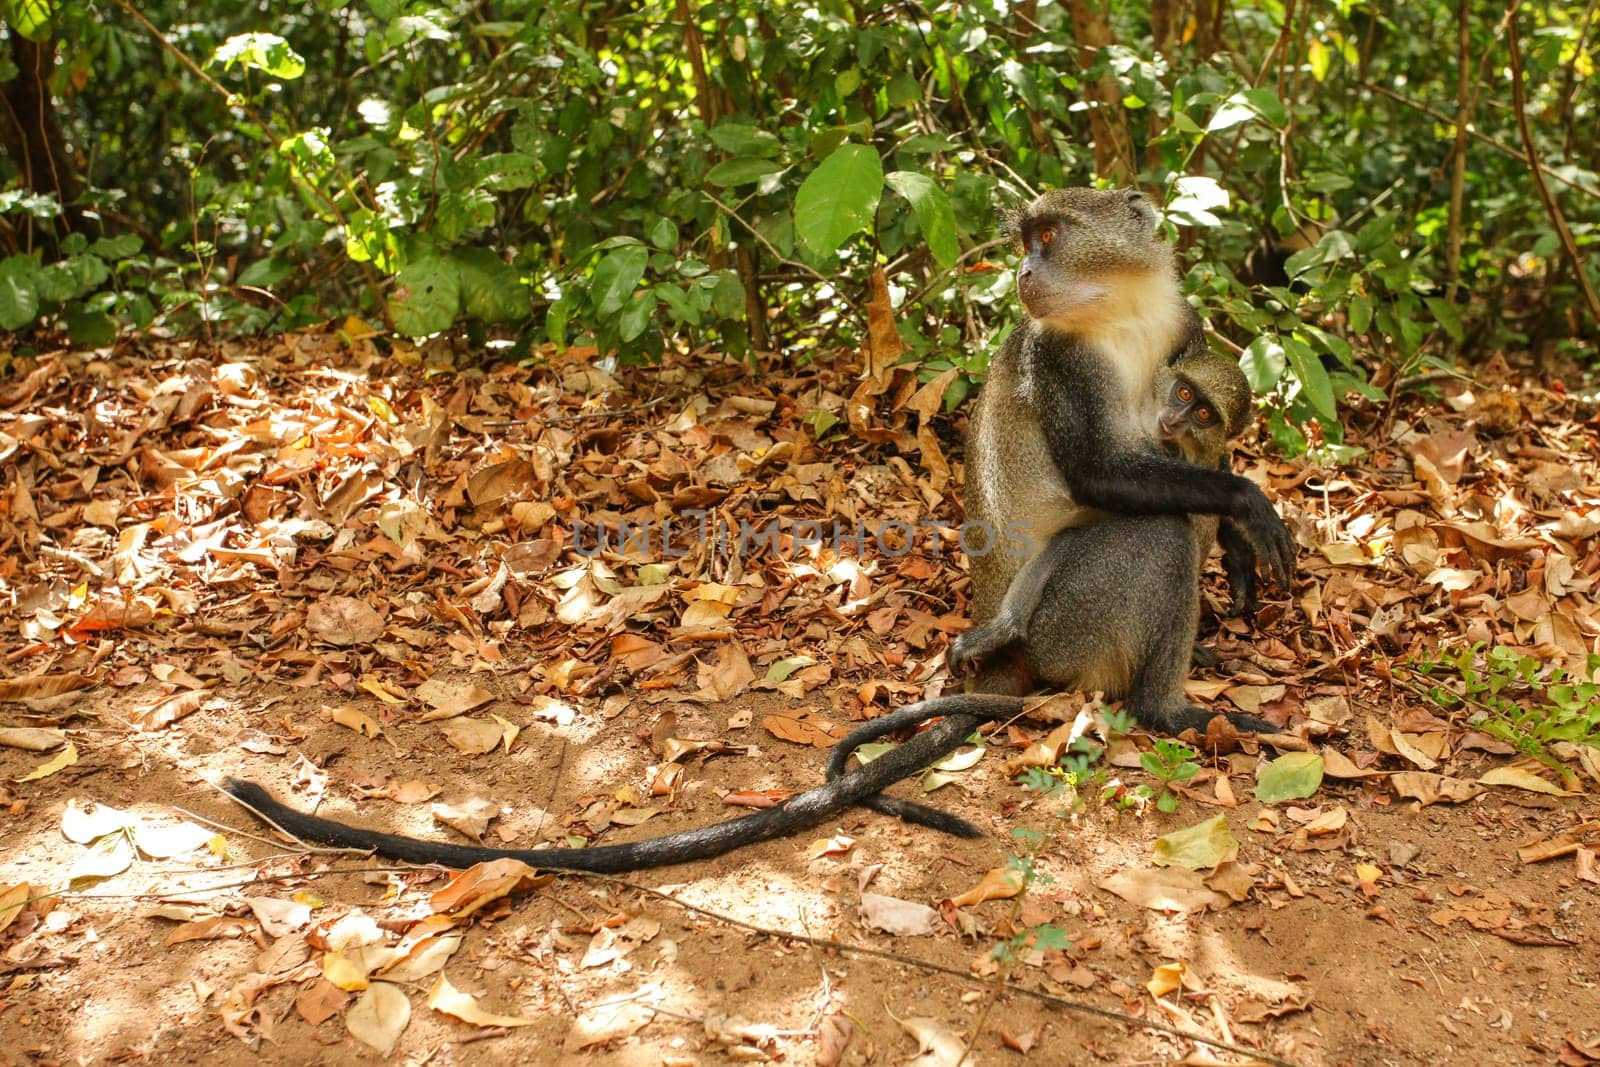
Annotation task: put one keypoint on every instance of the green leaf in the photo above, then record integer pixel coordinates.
(1447, 315)
(781, 669)
(1199, 847)
(734, 172)
(935, 217)
(427, 296)
(505, 171)
(1292, 776)
(636, 316)
(1232, 113)
(743, 139)
(31, 18)
(1317, 56)
(664, 234)
(616, 277)
(727, 298)
(1268, 106)
(1360, 313)
(120, 247)
(491, 289)
(873, 749)
(1195, 198)
(263, 51)
(91, 327)
(1263, 364)
(838, 198)
(1184, 124)
(555, 324)
(1313, 378)
(19, 292)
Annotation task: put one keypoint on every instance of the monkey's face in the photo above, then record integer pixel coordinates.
(1087, 253)
(1190, 425)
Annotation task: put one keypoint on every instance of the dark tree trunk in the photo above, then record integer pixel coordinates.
(30, 132)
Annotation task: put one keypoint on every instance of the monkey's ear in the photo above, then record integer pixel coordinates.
(1142, 207)
(1010, 216)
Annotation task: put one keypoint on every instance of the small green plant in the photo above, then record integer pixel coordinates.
(1046, 937)
(1170, 761)
(1515, 697)
(1071, 776)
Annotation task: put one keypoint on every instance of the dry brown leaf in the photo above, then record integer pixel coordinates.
(483, 884)
(320, 1001)
(447, 699)
(1000, 883)
(803, 728)
(353, 718)
(169, 710)
(883, 337)
(61, 761)
(13, 898)
(379, 1016)
(472, 736)
(1336, 764)
(1432, 788)
(1171, 889)
(216, 928)
(1166, 978)
(901, 918)
(1561, 843)
(470, 817)
(449, 1000)
(343, 621)
(1517, 778)
(32, 738)
(606, 1023)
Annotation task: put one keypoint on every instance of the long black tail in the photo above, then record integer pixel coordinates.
(983, 708)
(962, 714)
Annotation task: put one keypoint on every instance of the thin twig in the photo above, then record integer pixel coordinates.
(831, 283)
(1440, 116)
(975, 250)
(1519, 104)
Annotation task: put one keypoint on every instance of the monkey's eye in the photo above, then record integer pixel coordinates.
(1204, 415)
(1047, 234)
(1185, 394)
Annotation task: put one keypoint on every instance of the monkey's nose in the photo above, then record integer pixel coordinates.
(1025, 272)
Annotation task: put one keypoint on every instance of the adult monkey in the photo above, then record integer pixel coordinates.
(1114, 605)
(1060, 434)
(1060, 454)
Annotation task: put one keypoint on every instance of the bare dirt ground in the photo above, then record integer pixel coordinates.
(183, 539)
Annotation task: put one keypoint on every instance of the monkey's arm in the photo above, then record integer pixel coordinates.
(797, 813)
(1104, 470)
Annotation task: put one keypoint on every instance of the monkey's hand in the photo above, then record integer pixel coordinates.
(1267, 532)
(1239, 563)
(979, 643)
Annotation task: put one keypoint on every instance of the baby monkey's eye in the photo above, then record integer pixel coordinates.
(1185, 394)
(1047, 234)
(1204, 415)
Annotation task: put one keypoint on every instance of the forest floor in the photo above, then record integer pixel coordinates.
(349, 574)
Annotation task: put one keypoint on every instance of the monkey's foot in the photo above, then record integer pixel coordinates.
(979, 643)
(1194, 718)
(1203, 656)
